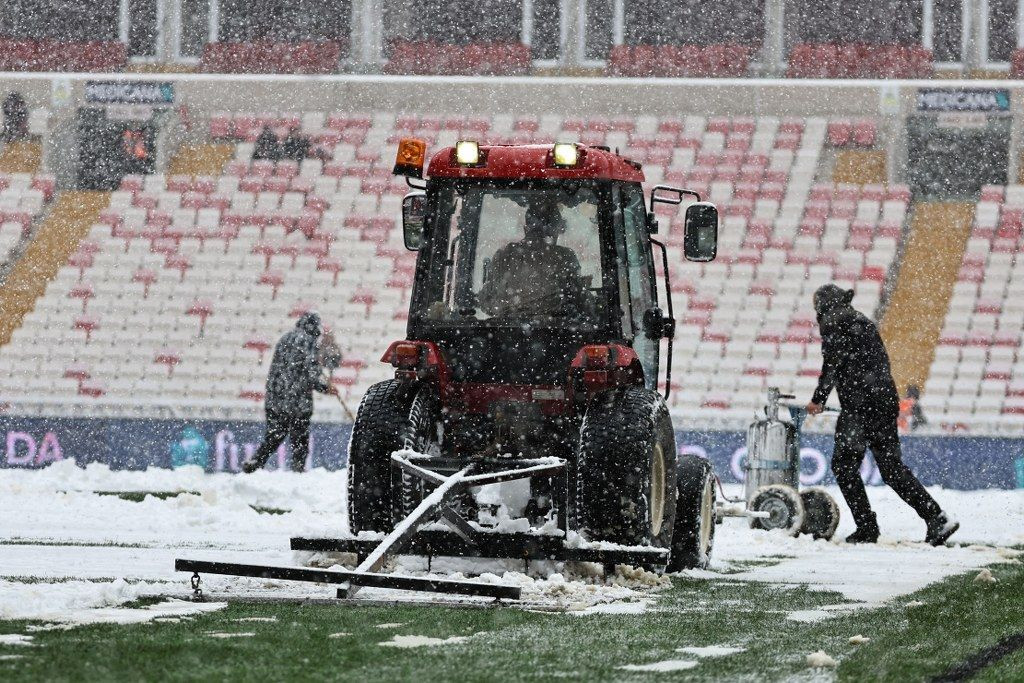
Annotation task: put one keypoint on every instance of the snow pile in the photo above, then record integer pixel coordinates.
(81, 607)
(662, 667)
(422, 641)
(15, 639)
(985, 576)
(820, 660)
(711, 650)
(51, 601)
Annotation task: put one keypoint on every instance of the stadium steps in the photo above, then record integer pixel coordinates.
(21, 157)
(68, 221)
(917, 309)
(860, 167)
(201, 159)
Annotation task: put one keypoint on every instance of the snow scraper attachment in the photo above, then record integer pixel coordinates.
(524, 419)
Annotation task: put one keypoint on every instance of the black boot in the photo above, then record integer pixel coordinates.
(940, 528)
(867, 532)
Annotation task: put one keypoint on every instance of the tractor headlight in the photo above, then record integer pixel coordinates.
(565, 154)
(467, 152)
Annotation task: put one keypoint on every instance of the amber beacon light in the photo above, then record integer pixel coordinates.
(412, 155)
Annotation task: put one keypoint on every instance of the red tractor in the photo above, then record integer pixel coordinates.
(534, 336)
(532, 357)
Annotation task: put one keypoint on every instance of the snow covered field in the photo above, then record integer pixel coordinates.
(70, 550)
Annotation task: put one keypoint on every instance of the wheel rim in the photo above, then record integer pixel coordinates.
(707, 516)
(657, 506)
(778, 513)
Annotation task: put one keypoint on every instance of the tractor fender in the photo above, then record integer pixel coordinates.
(428, 365)
(620, 367)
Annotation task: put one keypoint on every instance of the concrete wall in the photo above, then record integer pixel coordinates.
(890, 101)
(521, 95)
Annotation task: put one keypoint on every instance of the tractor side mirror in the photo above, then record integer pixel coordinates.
(700, 232)
(414, 214)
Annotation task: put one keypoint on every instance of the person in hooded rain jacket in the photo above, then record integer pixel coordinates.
(856, 364)
(294, 376)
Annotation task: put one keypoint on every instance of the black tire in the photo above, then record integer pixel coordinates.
(782, 503)
(627, 445)
(821, 513)
(375, 435)
(695, 515)
(417, 433)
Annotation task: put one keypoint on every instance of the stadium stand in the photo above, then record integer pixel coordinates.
(479, 59)
(977, 377)
(54, 55)
(724, 60)
(853, 60)
(184, 283)
(1017, 63)
(272, 57)
(23, 198)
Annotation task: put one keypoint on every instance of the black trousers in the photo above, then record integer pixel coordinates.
(281, 426)
(875, 427)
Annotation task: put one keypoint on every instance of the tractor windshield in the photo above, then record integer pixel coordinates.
(517, 254)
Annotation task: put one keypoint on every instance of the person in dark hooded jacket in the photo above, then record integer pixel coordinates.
(294, 376)
(856, 364)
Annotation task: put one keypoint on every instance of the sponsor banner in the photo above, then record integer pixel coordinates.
(964, 99)
(132, 444)
(129, 92)
(957, 462)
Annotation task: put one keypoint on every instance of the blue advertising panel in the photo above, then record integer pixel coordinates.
(136, 444)
(958, 462)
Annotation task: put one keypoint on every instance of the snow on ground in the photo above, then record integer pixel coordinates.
(86, 552)
(899, 564)
(423, 641)
(662, 667)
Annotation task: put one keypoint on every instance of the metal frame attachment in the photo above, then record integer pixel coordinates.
(463, 540)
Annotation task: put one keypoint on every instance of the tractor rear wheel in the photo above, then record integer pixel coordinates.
(626, 470)
(376, 434)
(417, 433)
(695, 515)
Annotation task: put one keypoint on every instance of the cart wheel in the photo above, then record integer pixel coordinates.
(783, 505)
(821, 513)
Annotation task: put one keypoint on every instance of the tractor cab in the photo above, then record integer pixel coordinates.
(536, 262)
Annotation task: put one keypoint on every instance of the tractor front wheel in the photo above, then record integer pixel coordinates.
(626, 470)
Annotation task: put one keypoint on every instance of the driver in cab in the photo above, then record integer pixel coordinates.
(534, 276)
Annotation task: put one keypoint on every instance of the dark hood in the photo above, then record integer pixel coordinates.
(309, 323)
(829, 297)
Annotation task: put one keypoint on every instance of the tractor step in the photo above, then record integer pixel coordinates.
(352, 578)
(519, 546)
